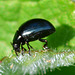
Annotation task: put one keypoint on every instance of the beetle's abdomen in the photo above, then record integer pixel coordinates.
(35, 29)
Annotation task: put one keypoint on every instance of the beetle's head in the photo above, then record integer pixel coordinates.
(16, 47)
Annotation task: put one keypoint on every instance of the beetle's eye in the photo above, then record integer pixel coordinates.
(15, 46)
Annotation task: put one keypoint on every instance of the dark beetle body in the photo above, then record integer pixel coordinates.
(30, 31)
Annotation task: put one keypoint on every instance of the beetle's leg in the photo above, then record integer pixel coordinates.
(45, 45)
(28, 48)
(23, 47)
(29, 45)
(16, 53)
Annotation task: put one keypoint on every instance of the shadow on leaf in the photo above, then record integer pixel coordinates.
(63, 34)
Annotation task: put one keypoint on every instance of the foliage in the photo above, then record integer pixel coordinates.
(61, 13)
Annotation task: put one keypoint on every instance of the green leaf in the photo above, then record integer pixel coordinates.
(37, 63)
(61, 13)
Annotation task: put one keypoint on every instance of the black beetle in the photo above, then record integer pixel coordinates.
(32, 30)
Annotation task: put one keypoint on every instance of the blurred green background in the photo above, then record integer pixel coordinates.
(61, 13)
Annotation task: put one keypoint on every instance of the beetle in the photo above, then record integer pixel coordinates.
(34, 29)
